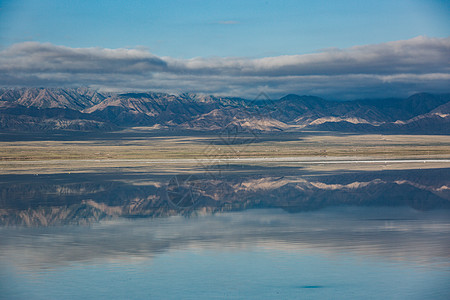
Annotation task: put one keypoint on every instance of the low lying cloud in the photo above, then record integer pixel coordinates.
(395, 68)
(33, 57)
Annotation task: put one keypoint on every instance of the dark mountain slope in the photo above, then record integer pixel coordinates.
(85, 109)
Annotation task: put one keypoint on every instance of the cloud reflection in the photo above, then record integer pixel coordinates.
(392, 233)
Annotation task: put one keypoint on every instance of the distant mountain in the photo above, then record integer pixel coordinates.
(76, 99)
(44, 109)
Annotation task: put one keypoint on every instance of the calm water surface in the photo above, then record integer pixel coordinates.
(304, 235)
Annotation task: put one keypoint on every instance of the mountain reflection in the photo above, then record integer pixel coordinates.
(57, 199)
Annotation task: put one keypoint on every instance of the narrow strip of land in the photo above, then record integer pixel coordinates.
(277, 146)
(303, 160)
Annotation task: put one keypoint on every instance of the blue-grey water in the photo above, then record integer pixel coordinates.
(302, 235)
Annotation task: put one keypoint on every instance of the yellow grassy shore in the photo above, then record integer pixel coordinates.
(182, 147)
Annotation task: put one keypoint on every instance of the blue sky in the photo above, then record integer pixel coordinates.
(186, 29)
(182, 30)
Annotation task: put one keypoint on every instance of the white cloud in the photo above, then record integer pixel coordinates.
(388, 69)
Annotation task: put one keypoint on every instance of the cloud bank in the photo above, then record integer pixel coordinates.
(390, 69)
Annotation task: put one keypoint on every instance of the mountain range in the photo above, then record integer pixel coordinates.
(83, 109)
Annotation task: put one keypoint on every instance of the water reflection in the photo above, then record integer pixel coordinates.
(242, 234)
(56, 199)
(392, 233)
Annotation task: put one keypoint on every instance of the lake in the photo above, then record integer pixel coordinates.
(253, 231)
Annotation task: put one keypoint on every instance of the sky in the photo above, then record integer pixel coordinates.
(334, 49)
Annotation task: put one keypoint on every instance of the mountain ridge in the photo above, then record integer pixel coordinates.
(44, 109)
